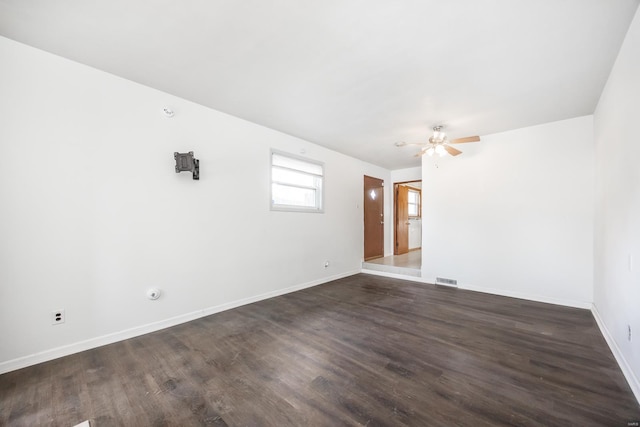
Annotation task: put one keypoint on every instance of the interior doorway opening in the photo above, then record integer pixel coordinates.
(409, 262)
(407, 230)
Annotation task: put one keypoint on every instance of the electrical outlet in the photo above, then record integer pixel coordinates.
(57, 317)
(629, 332)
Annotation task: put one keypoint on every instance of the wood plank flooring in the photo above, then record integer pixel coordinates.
(364, 350)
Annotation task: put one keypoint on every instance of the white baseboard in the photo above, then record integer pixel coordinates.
(77, 347)
(66, 350)
(33, 359)
(617, 353)
(250, 300)
(492, 291)
(529, 297)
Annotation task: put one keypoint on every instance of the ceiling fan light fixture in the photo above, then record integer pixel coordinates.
(438, 143)
(438, 135)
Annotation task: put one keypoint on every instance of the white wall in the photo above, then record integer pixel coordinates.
(406, 175)
(513, 215)
(617, 248)
(93, 213)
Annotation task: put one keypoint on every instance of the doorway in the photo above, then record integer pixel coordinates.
(373, 218)
(408, 217)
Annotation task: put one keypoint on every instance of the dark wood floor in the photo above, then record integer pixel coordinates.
(364, 350)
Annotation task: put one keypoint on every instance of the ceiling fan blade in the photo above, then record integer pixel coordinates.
(421, 153)
(451, 150)
(404, 144)
(467, 139)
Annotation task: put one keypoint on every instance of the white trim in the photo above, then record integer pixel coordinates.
(393, 275)
(529, 297)
(272, 294)
(492, 291)
(66, 350)
(405, 277)
(520, 295)
(632, 380)
(33, 359)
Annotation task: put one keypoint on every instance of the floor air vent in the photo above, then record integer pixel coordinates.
(443, 281)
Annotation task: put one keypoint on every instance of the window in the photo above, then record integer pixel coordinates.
(414, 203)
(296, 184)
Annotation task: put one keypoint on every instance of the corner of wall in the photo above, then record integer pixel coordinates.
(631, 378)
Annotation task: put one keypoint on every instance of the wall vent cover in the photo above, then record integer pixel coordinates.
(444, 281)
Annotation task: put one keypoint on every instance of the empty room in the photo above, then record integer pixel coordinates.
(319, 213)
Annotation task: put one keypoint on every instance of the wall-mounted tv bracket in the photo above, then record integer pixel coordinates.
(186, 162)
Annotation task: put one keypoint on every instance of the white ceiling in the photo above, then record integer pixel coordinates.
(352, 75)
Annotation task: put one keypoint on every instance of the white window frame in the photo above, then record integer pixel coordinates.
(418, 205)
(319, 208)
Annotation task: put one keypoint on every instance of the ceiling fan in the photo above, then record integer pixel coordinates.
(439, 143)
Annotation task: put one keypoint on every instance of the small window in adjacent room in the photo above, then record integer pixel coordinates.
(414, 203)
(296, 183)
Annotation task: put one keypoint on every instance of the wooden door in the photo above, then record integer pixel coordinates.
(402, 220)
(373, 218)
